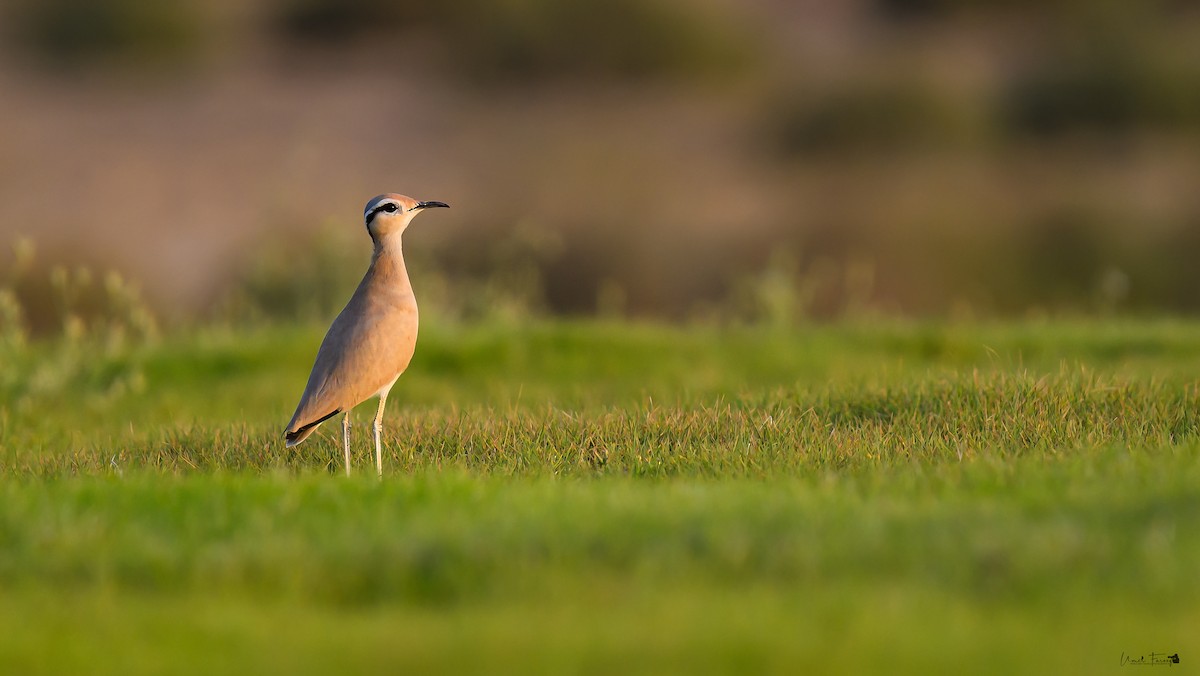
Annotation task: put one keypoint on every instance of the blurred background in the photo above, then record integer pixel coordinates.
(741, 160)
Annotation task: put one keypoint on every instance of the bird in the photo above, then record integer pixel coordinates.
(373, 338)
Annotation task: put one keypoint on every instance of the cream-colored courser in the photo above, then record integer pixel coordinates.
(371, 342)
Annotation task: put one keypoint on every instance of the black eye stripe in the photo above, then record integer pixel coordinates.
(390, 207)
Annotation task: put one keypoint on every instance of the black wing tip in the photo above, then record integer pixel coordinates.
(296, 436)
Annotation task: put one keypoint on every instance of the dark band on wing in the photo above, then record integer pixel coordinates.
(291, 436)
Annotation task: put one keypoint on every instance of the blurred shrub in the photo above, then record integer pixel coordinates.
(538, 39)
(863, 116)
(311, 280)
(88, 329)
(942, 9)
(498, 274)
(1062, 256)
(1107, 88)
(1168, 276)
(936, 10)
(75, 33)
(776, 296)
(1088, 65)
(296, 279)
(72, 302)
(531, 39)
(1077, 258)
(1105, 68)
(341, 21)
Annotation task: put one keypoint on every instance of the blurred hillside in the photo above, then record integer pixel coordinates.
(764, 159)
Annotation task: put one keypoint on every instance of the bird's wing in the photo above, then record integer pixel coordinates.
(363, 351)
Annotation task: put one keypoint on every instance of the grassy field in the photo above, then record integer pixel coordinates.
(610, 498)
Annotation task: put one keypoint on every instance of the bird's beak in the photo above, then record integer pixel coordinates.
(426, 205)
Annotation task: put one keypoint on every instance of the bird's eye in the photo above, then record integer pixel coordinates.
(390, 208)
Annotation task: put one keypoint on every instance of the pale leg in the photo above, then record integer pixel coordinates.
(378, 430)
(346, 438)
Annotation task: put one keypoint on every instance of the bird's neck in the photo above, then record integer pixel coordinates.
(387, 264)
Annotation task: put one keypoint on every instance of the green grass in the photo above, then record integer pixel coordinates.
(601, 497)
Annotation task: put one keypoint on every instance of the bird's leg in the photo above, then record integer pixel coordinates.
(378, 430)
(346, 438)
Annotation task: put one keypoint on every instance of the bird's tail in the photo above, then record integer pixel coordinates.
(301, 433)
(294, 438)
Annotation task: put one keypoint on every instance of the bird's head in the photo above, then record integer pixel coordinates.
(390, 214)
